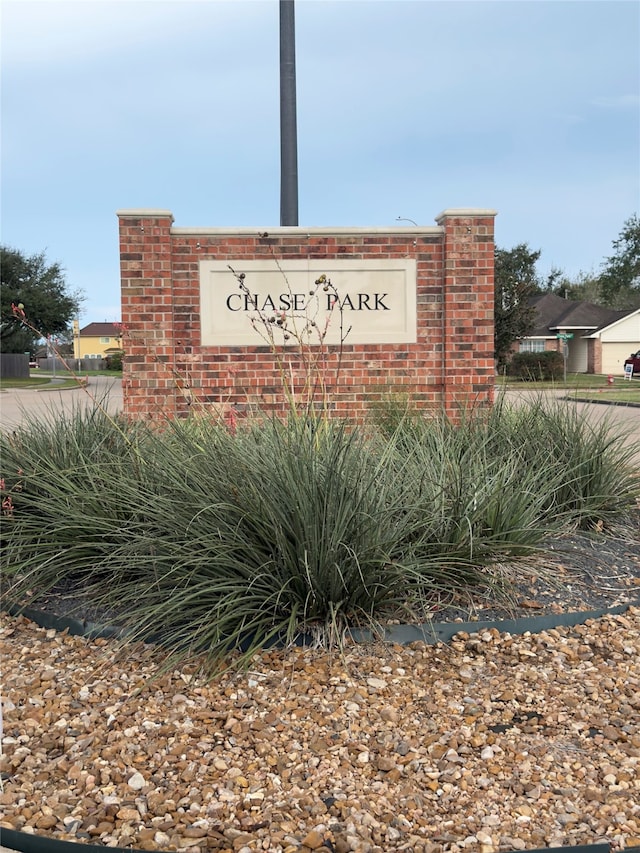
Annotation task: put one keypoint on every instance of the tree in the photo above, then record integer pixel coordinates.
(620, 278)
(41, 289)
(584, 287)
(516, 281)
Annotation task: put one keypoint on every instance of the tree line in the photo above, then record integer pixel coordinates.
(41, 287)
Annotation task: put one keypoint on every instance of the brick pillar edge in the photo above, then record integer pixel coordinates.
(468, 308)
(147, 308)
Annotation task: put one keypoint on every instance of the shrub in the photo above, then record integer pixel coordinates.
(537, 366)
(114, 360)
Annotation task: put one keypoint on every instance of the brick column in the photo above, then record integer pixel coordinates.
(468, 309)
(149, 383)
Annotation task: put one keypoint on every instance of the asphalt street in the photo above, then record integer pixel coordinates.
(18, 405)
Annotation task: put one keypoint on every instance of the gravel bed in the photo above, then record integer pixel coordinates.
(492, 742)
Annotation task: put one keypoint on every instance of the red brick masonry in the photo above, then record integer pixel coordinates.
(168, 372)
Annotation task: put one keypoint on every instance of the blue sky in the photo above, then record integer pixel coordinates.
(405, 108)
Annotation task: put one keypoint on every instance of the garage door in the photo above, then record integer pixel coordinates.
(614, 354)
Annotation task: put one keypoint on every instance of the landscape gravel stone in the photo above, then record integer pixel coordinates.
(492, 742)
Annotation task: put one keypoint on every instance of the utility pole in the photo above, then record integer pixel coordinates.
(288, 128)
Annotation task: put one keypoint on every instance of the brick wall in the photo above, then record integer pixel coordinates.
(168, 372)
(594, 355)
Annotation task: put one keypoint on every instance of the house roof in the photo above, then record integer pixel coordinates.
(101, 330)
(553, 314)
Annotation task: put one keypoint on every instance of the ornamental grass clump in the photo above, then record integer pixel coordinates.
(541, 460)
(212, 540)
(599, 475)
(271, 532)
(470, 501)
(219, 541)
(61, 477)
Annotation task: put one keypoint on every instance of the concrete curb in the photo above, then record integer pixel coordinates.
(628, 405)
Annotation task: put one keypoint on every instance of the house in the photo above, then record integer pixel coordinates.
(97, 340)
(598, 339)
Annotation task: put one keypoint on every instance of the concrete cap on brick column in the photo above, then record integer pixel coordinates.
(144, 213)
(471, 212)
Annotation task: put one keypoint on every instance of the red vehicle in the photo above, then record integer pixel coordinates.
(634, 359)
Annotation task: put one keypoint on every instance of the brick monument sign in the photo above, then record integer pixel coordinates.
(406, 312)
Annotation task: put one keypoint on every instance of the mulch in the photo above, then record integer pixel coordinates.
(582, 571)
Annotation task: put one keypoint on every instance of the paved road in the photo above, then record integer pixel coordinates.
(20, 404)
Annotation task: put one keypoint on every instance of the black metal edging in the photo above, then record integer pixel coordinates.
(75, 627)
(427, 632)
(23, 842)
(443, 632)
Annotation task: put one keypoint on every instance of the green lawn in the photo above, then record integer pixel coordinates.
(41, 383)
(575, 381)
(31, 382)
(114, 373)
(40, 379)
(616, 394)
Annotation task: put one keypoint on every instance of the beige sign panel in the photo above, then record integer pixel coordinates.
(356, 301)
